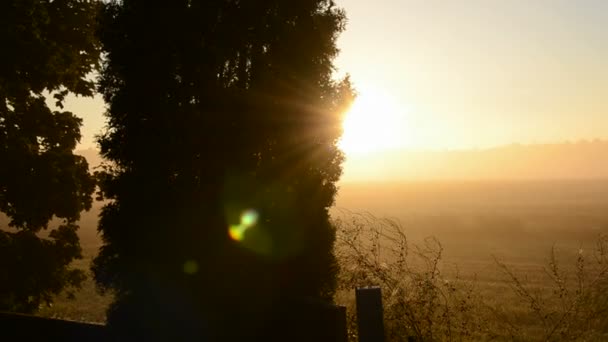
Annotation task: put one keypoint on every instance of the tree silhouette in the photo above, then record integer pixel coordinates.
(47, 46)
(222, 127)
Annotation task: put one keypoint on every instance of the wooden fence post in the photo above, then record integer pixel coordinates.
(370, 314)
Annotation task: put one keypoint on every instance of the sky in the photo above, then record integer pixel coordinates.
(482, 73)
(469, 73)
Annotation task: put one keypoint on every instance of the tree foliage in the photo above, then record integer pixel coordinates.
(223, 121)
(47, 47)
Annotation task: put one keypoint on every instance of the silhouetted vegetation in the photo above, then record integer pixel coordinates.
(47, 47)
(222, 125)
(421, 298)
(575, 305)
(430, 300)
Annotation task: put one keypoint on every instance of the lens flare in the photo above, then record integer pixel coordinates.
(248, 219)
(190, 267)
(236, 232)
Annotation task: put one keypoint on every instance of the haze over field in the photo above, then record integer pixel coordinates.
(557, 190)
(578, 160)
(571, 160)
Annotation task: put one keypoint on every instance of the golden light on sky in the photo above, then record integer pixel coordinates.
(375, 122)
(459, 75)
(484, 73)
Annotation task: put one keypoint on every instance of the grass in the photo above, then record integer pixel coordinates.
(517, 225)
(87, 305)
(430, 296)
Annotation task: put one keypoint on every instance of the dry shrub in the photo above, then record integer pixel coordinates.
(420, 301)
(573, 304)
(426, 300)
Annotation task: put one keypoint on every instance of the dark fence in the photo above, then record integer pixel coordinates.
(300, 320)
(16, 327)
(312, 320)
(370, 314)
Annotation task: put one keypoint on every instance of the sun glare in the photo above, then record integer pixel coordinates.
(375, 122)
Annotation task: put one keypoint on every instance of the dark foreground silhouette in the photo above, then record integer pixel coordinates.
(292, 320)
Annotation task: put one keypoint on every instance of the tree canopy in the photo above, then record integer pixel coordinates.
(48, 47)
(222, 127)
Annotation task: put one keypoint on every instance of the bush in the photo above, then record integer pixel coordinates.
(420, 300)
(573, 304)
(425, 299)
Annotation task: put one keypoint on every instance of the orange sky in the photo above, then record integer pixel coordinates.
(479, 73)
(471, 73)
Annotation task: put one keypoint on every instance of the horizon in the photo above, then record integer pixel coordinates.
(582, 141)
(580, 160)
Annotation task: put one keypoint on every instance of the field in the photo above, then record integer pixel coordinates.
(518, 220)
(87, 305)
(518, 223)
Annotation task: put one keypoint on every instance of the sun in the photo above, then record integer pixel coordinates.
(375, 122)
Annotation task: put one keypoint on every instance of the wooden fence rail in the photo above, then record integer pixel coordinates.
(303, 320)
(300, 320)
